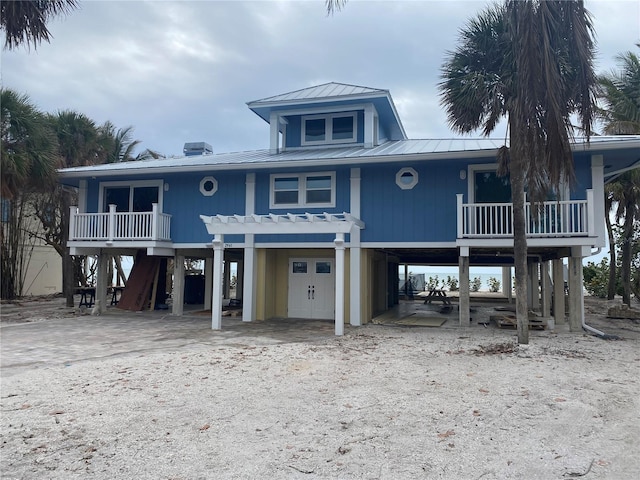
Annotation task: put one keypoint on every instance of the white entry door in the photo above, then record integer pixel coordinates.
(311, 288)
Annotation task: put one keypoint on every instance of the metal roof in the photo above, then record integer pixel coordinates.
(325, 91)
(392, 151)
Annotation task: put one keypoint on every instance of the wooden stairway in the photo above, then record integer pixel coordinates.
(143, 276)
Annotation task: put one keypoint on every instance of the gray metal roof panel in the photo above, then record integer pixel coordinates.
(389, 151)
(327, 90)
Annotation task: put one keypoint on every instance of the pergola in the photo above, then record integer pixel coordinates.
(290, 223)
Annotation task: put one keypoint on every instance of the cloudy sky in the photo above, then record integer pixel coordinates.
(183, 71)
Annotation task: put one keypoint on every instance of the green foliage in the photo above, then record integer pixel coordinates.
(433, 282)
(452, 283)
(596, 278)
(475, 284)
(494, 284)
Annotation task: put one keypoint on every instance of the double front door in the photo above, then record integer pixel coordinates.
(311, 288)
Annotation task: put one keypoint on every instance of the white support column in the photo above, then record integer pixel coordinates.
(73, 210)
(339, 314)
(597, 187)
(111, 223)
(216, 300)
(464, 300)
(154, 221)
(546, 289)
(355, 280)
(177, 294)
(576, 298)
(459, 215)
(208, 282)
(558, 292)
(102, 282)
(249, 265)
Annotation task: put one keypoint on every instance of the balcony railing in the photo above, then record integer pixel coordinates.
(566, 218)
(113, 226)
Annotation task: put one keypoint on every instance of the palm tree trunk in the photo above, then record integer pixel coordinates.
(611, 289)
(626, 256)
(519, 246)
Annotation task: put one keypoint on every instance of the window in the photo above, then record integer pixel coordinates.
(303, 190)
(406, 178)
(208, 186)
(334, 128)
(136, 197)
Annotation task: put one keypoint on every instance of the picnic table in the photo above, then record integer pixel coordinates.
(437, 294)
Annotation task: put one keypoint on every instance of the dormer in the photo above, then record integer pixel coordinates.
(330, 115)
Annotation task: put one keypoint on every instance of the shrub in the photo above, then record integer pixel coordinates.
(596, 278)
(494, 284)
(452, 283)
(475, 284)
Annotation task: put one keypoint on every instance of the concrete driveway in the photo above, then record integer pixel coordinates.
(73, 339)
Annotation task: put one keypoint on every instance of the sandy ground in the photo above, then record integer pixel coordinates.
(379, 403)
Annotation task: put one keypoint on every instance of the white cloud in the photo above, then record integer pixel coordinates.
(182, 71)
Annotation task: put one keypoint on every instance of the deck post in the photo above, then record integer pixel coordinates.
(463, 273)
(558, 291)
(460, 218)
(216, 297)
(112, 223)
(576, 299)
(507, 288)
(101, 281)
(177, 294)
(591, 219)
(73, 211)
(154, 221)
(339, 308)
(546, 289)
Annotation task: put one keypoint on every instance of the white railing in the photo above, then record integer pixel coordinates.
(114, 225)
(566, 218)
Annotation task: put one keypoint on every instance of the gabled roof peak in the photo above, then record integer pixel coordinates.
(326, 90)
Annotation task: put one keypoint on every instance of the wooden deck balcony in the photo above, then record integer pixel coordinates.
(115, 226)
(566, 218)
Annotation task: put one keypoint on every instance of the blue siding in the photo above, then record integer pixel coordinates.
(185, 203)
(426, 213)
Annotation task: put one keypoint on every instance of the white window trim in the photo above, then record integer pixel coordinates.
(132, 185)
(302, 193)
(328, 118)
(203, 182)
(410, 185)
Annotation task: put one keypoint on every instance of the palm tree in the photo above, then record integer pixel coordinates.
(620, 93)
(529, 61)
(25, 21)
(119, 145)
(28, 158)
(28, 148)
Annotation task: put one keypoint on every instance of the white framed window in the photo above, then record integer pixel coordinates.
(329, 129)
(406, 178)
(303, 190)
(131, 196)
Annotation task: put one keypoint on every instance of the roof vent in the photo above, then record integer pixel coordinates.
(197, 148)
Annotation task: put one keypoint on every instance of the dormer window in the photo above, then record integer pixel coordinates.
(329, 129)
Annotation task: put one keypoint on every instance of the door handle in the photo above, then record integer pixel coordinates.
(309, 292)
(313, 293)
